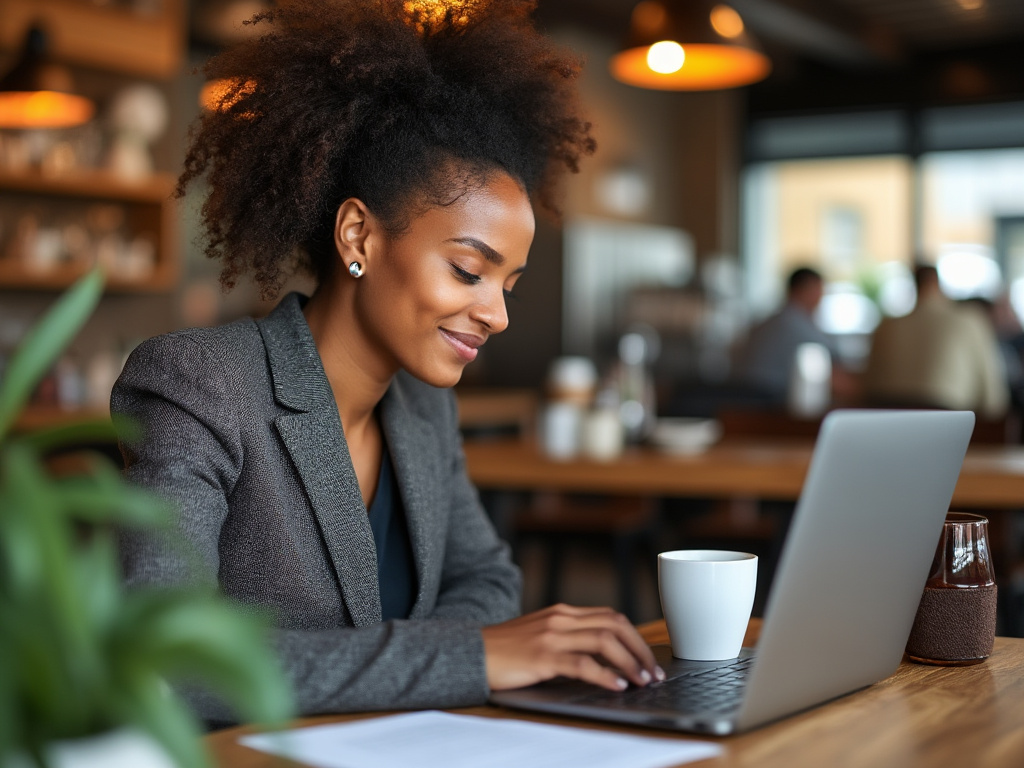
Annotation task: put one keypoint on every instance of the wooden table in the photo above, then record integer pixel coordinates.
(921, 716)
(992, 477)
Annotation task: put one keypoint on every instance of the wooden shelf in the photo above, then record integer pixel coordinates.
(112, 38)
(16, 277)
(148, 208)
(94, 185)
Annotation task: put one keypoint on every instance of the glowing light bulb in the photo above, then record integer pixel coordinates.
(666, 57)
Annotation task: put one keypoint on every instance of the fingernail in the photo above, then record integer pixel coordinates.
(621, 684)
(645, 676)
(659, 673)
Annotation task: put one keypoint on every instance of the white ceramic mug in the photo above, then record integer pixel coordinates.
(706, 596)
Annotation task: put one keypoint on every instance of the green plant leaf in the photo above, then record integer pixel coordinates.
(24, 561)
(193, 637)
(79, 654)
(88, 432)
(43, 344)
(103, 498)
(99, 583)
(143, 699)
(10, 712)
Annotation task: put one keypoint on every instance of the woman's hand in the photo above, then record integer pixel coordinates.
(597, 645)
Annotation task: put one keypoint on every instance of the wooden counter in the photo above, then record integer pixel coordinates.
(992, 477)
(921, 717)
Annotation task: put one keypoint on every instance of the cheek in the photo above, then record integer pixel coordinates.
(432, 293)
(410, 299)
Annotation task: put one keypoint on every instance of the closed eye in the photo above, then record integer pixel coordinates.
(467, 277)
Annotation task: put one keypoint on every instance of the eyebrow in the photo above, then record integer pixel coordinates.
(485, 250)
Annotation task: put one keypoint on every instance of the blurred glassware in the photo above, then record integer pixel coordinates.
(810, 384)
(45, 250)
(603, 436)
(572, 379)
(571, 385)
(638, 349)
(561, 427)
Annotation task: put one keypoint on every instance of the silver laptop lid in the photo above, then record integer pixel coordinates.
(856, 556)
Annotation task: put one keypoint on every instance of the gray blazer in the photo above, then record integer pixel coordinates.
(242, 433)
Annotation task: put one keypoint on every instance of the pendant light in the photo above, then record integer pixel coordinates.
(37, 93)
(688, 45)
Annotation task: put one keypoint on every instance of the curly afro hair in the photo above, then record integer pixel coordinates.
(403, 104)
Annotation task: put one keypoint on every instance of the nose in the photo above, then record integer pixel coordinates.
(492, 312)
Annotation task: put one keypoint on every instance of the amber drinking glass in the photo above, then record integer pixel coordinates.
(956, 620)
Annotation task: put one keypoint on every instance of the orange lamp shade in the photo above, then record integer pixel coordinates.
(705, 67)
(43, 109)
(688, 45)
(38, 92)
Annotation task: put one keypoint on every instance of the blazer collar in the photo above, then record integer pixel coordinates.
(313, 437)
(300, 382)
(315, 441)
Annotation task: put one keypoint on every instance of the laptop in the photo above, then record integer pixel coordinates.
(844, 597)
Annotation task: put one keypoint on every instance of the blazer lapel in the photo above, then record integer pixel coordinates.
(418, 472)
(314, 440)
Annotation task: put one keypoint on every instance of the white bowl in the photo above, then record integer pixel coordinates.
(685, 435)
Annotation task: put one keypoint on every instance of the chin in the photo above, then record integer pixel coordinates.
(443, 379)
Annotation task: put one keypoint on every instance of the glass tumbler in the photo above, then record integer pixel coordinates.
(956, 620)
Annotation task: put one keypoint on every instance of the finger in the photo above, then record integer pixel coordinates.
(612, 621)
(608, 646)
(585, 667)
(576, 611)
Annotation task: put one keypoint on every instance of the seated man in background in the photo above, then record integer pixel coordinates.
(765, 361)
(941, 355)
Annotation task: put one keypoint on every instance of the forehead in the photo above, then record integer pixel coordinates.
(495, 210)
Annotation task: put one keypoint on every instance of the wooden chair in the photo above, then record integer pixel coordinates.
(492, 412)
(627, 525)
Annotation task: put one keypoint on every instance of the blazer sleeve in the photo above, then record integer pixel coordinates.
(191, 452)
(479, 582)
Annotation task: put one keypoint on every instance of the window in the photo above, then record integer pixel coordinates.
(842, 193)
(848, 217)
(972, 221)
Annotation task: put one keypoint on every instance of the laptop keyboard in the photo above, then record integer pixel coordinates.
(718, 690)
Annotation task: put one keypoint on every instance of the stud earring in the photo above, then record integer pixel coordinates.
(355, 269)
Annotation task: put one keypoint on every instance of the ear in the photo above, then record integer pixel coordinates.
(355, 229)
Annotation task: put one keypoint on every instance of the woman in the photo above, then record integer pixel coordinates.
(391, 149)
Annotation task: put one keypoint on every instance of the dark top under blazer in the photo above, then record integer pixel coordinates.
(242, 432)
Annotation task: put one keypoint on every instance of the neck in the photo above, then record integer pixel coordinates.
(357, 375)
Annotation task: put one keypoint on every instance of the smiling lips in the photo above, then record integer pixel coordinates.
(465, 344)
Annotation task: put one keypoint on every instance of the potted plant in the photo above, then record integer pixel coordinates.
(80, 656)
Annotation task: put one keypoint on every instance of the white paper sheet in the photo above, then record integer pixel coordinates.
(443, 740)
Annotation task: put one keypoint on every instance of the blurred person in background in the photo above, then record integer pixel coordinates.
(1009, 337)
(766, 359)
(941, 355)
